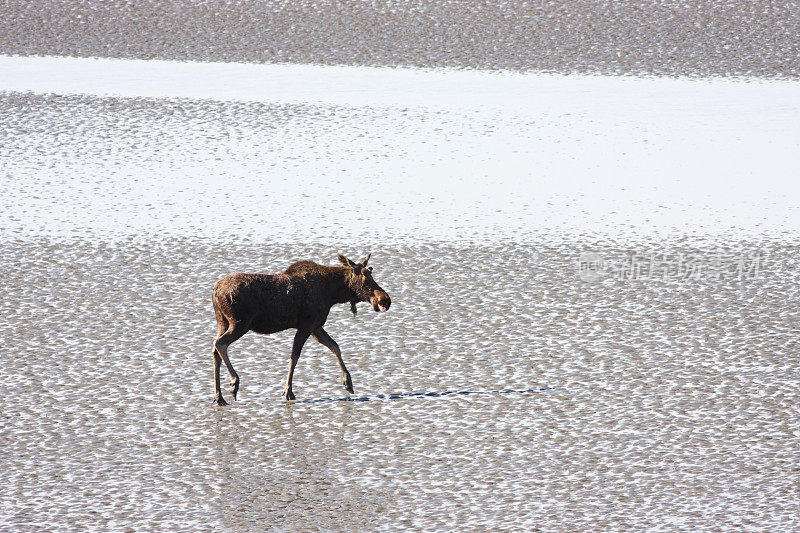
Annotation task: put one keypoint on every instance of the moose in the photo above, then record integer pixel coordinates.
(300, 297)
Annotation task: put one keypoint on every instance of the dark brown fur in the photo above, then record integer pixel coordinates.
(300, 297)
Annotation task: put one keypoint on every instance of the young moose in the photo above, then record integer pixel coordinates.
(301, 297)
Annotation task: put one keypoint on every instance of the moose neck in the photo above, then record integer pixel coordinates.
(340, 290)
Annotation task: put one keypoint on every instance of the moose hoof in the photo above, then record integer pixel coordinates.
(288, 394)
(235, 387)
(219, 400)
(348, 384)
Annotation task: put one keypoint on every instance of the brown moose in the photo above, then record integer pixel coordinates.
(300, 297)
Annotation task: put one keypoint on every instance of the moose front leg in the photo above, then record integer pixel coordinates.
(323, 338)
(300, 338)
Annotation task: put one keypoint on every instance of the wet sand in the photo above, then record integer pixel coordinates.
(552, 379)
(704, 38)
(580, 375)
(595, 304)
(616, 404)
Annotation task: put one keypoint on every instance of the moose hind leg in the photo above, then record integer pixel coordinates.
(218, 399)
(234, 332)
(222, 327)
(323, 338)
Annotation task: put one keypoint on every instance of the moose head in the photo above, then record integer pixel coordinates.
(365, 289)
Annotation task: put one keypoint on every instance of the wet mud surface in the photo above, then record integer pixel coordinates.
(502, 390)
(709, 37)
(562, 379)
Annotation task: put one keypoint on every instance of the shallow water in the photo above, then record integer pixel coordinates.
(594, 322)
(562, 156)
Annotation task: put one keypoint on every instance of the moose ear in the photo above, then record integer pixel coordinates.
(345, 261)
(364, 262)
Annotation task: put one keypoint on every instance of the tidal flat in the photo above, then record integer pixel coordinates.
(594, 278)
(500, 391)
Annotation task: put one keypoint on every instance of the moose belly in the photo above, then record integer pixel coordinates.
(274, 320)
(281, 310)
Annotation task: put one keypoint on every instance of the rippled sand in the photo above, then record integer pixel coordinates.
(548, 362)
(708, 37)
(572, 404)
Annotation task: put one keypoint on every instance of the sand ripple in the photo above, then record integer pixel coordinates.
(503, 392)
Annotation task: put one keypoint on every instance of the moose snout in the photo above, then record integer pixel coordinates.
(381, 301)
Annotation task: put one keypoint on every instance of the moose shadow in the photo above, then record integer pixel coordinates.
(430, 394)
